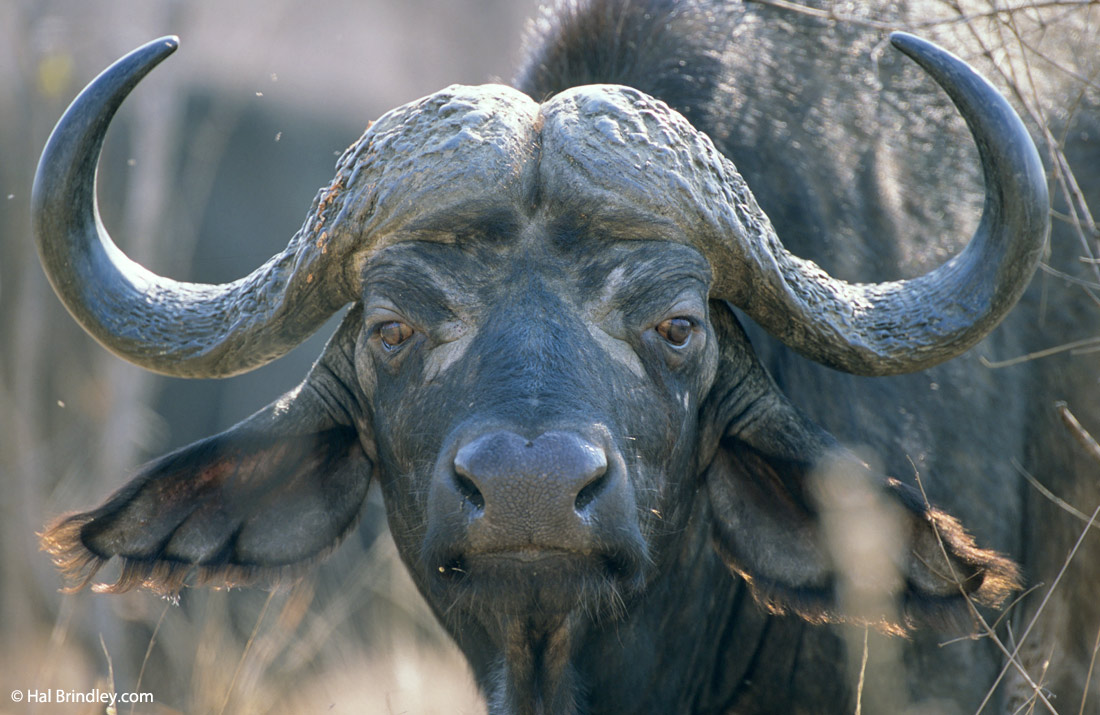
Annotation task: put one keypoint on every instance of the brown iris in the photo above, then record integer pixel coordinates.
(393, 333)
(675, 330)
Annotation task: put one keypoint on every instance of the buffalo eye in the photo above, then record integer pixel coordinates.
(676, 331)
(393, 333)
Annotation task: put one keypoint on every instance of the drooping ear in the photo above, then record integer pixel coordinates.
(816, 532)
(254, 504)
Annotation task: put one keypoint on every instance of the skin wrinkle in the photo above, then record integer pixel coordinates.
(445, 356)
(602, 304)
(600, 312)
(616, 349)
(484, 227)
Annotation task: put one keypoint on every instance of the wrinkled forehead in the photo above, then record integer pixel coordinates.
(456, 147)
(602, 146)
(621, 148)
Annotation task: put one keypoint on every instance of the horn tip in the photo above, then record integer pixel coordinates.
(908, 43)
(167, 44)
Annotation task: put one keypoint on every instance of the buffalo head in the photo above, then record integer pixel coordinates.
(541, 368)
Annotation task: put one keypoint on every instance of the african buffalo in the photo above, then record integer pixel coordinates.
(587, 467)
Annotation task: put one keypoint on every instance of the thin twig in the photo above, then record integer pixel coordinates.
(244, 654)
(826, 14)
(997, 623)
(862, 674)
(834, 16)
(1035, 619)
(1008, 609)
(984, 624)
(1050, 270)
(1082, 516)
(1073, 221)
(149, 652)
(1095, 299)
(1087, 81)
(1079, 433)
(110, 664)
(1088, 676)
(1076, 345)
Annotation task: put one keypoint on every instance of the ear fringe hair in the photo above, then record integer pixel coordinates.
(988, 579)
(949, 614)
(817, 606)
(992, 576)
(63, 540)
(996, 576)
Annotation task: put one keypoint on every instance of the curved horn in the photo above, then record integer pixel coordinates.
(903, 326)
(180, 329)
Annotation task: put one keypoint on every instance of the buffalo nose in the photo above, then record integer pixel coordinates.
(530, 491)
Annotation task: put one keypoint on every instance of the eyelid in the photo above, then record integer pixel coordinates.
(685, 307)
(375, 315)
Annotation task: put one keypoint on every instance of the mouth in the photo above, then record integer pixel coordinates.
(519, 562)
(553, 580)
(527, 556)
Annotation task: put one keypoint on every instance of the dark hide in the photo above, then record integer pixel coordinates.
(744, 481)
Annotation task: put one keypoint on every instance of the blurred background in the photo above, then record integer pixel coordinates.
(208, 170)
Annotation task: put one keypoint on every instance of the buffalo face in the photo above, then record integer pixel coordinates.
(536, 433)
(541, 369)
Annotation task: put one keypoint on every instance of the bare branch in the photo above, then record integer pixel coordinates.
(1012, 657)
(1046, 268)
(833, 16)
(862, 673)
(1088, 678)
(829, 15)
(244, 655)
(1079, 433)
(1041, 488)
(1067, 347)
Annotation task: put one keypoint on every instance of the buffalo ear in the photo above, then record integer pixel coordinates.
(815, 532)
(255, 504)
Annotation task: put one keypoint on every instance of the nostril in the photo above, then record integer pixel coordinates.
(469, 491)
(464, 476)
(588, 494)
(546, 478)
